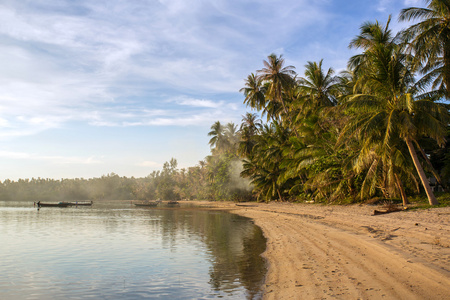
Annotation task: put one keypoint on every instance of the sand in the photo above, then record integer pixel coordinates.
(345, 252)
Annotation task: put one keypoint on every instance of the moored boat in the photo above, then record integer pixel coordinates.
(81, 203)
(152, 203)
(58, 204)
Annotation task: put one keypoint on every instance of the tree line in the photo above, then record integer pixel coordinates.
(378, 129)
(373, 130)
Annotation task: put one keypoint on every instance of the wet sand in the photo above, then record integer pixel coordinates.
(345, 252)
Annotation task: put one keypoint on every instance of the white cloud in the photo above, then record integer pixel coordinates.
(415, 3)
(382, 5)
(187, 101)
(51, 159)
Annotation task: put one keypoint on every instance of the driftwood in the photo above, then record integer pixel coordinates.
(387, 211)
(247, 205)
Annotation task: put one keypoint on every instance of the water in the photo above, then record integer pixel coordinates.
(116, 251)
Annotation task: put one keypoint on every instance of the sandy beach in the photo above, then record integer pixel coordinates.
(345, 252)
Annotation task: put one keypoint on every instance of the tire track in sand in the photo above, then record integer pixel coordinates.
(311, 260)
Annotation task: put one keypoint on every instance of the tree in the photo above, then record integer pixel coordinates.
(430, 42)
(232, 136)
(217, 134)
(279, 79)
(387, 113)
(373, 38)
(319, 88)
(250, 127)
(254, 92)
(263, 167)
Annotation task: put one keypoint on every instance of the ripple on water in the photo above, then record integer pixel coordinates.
(124, 253)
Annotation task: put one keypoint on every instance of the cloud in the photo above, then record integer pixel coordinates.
(415, 3)
(76, 62)
(142, 63)
(52, 159)
(188, 101)
(382, 5)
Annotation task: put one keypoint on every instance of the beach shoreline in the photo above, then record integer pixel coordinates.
(345, 252)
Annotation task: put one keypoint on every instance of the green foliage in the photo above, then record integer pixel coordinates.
(421, 202)
(345, 138)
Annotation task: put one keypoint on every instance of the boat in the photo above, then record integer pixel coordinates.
(80, 203)
(64, 204)
(59, 204)
(152, 204)
(173, 203)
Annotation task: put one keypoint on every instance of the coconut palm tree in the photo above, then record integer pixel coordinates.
(279, 79)
(372, 36)
(386, 111)
(218, 139)
(252, 122)
(250, 127)
(254, 92)
(430, 41)
(232, 136)
(263, 167)
(319, 87)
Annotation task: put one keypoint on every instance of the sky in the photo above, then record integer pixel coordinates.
(89, 88)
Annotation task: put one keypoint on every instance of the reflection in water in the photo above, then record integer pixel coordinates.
(113, 250)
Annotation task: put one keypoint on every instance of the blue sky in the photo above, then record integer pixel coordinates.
(93, 87)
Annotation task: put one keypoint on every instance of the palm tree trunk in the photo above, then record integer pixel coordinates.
(279, 195)
(447, 68)
(402, 191)
(431, 198)
(432, 169)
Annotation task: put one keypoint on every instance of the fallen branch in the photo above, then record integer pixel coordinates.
(387, 211)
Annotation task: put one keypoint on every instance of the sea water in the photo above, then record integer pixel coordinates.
(114, 250)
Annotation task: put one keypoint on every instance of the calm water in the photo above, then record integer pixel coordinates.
(116, 251)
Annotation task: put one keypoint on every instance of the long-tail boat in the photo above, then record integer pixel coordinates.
(64, 204)
(80, 203)
(151, 203)
(58, 204)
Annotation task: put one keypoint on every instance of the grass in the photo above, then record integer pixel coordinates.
(421, 201)
(416, 201)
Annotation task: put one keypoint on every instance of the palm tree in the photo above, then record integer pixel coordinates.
(254, 92)
(263, 167)
(250, 127)
(373, 37)
(386, 111)
(430, 41)
(384, 167)
(252, 122)
(279, 79)
(232, 136)
(218, 139)
(319, 87)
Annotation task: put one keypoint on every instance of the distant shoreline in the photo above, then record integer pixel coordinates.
(320, 251)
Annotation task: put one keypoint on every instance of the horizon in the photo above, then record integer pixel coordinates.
(91, 89)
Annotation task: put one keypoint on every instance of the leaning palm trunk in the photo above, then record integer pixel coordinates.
(402, 190)
(431, 198)
(279, 195)
(432, 169)
(447, 69)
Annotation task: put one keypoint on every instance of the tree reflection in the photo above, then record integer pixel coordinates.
(234, 244)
